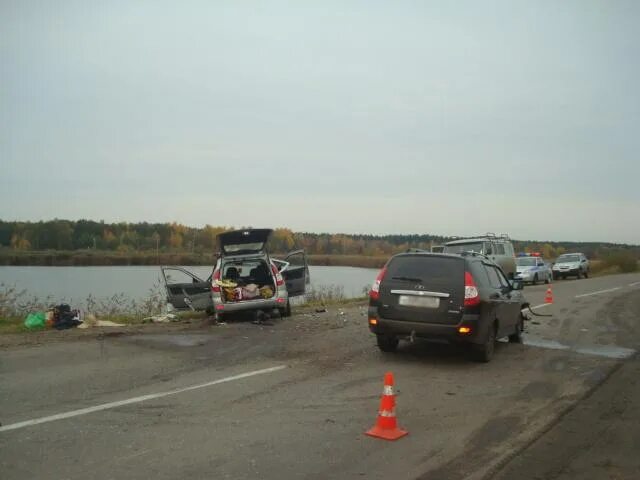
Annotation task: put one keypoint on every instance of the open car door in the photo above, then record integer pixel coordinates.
(185, 291)
(296, 273)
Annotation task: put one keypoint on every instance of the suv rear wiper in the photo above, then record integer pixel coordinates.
(408, 279)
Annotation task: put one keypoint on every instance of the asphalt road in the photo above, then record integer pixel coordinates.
(293, 400)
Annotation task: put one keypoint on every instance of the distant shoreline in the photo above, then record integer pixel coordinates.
(91, 258)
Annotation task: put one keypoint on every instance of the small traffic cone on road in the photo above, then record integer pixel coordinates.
(386, 426)
(549, 296)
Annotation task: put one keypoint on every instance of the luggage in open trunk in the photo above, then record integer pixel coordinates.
(246, 280)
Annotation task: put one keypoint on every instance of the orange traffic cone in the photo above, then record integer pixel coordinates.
(386, 426)
(549, 297)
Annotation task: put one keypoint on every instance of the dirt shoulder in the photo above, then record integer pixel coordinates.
(195, 324)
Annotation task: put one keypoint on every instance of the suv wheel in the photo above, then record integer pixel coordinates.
(387, 343)
(517, 336)
(484, 353)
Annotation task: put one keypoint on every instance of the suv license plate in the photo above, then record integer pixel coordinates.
(415, 301)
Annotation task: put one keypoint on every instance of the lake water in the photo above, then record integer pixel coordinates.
(74, 284)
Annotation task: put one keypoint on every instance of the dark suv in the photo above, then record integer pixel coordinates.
(460, 298)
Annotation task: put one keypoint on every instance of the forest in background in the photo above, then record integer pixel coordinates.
(88, 242)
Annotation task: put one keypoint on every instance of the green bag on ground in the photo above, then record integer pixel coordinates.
(35, 320)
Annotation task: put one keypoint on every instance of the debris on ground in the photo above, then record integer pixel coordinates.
(35, 320)
(91, 321)
(64, 317)
(164, 318)
(321, 310)
(60, 317)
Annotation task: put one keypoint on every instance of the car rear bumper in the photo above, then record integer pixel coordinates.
(248, 305)
(450, 333)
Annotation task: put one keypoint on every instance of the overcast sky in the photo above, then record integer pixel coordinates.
(439, 117)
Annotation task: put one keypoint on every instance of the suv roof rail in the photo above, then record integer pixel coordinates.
(417, 250)
(488, 235)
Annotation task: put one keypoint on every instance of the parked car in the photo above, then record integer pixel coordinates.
(532, 268)
(463, 298)
(498, 248)
(571, 264)
(245, 278)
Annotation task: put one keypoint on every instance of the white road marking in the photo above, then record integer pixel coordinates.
(598, 292)
(134, 455)
(634, 284)
(106, 406)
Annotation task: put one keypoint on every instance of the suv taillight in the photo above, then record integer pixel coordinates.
(374, 293)
(471, 294)
(278, 275)
(214, 286)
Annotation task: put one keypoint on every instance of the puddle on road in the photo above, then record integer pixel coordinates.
(608, 351)
(541, 342)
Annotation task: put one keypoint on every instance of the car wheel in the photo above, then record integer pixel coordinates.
(387, 343)
(535, 280)
(484, 353)
(579, 274)
(517, 336)
(586, 274)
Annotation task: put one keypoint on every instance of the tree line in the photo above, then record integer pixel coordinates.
(69, 235)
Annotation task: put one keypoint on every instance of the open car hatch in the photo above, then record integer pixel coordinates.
(244, 242)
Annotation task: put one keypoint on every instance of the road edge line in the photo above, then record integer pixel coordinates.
(499, 465)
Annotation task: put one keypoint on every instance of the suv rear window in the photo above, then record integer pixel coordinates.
(426, 269)
(477, 247)
(244, 247)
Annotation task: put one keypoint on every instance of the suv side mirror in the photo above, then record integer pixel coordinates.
(517, 285)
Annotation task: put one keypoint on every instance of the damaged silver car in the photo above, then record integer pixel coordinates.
(245, 278)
